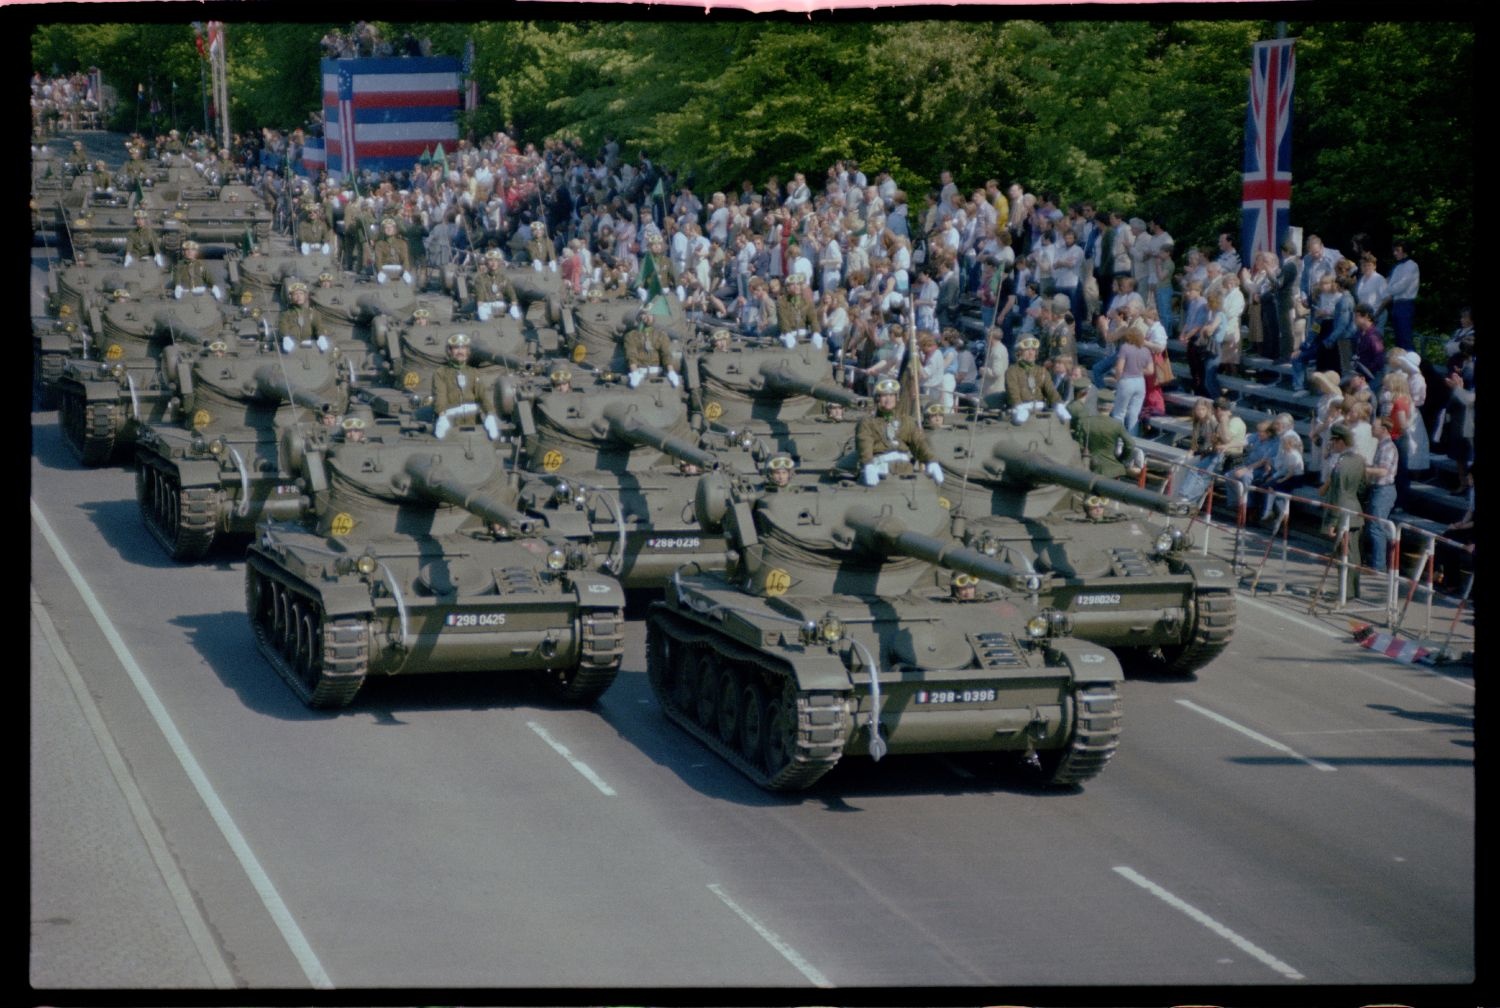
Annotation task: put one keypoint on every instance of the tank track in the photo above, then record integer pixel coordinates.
(183, 521)
(1096, 736)
(324, 663)
(1213, 625)
(89, 429)
(601, 646)
(47, 369)
(779, 751)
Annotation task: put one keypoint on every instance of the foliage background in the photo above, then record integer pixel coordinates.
(1144, 116)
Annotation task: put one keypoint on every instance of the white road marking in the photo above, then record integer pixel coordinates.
(264, 888)
(578, 764)
(1244, 944)
(1257, 736)
(177, 886)
(787, 952)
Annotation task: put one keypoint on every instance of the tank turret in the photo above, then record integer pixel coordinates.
(849, 622)
(421, 562)
(1114, 555)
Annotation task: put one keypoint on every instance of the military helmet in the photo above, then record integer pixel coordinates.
(295, 286)
(560, 375)
(353, 423)
(189, 246)
(887, 386)
(459, 339)
(781, 460)
(421, 313)
(962, 580)
(1029, 343)
(218, 346)
(935, 409)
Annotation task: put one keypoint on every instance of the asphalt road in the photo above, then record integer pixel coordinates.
(1300, 814)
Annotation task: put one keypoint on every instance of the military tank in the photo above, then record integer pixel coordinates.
(420, 562)
(53, 342)
(105, 398)
(633, 455)
(1128, 579)
(414, 350)
(599, 325)
(221, 471)
(230, 213)
(828, 635)
(774, 397)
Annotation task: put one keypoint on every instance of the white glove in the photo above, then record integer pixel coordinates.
(288, 344)
(1037, 406)
(936, 472)
(322, 343)
(129, 260)
(177, 292)
(218, 294)
(161, 261)
(492, 427)
(483, 310)
(681, 294)
(306, 249)
(552, 265)
(515, 311)
(817, 340)
(1061, 412)
(536, 264)
(441, 427)
(1021, 413)
(675, 379)
(788, 340)
(640, 292)
(326, 249)
(405, 277)
(380, 276)
(870, 474)
(636, 377)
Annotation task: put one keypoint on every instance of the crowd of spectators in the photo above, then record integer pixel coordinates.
(64, 102)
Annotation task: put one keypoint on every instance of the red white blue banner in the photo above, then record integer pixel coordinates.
(381, 114)
(1267, 201)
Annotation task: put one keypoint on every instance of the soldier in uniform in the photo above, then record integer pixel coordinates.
(315, 233)
(1093, 510)
(1105, 441)
(136, 170)
(355, 246)
(540, 247)
(561, 379)
(456, 395)
(190, 275)
(141, 242)
(173, 146)
(648, 351)
(1347, 483)
(885, 439)
(354, 429)
(779, 470)
(391, 253)
(964, 587)
(833, 412)
(77, 161)
(298, 325)
(218, 348)
(493, 290)
(795, 314)
(103, 181)
(936, 416)
(1027, 383)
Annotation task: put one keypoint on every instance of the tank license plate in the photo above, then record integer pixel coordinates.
(474, 620)
(969, 694)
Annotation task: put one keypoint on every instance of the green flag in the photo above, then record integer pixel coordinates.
(441, 157)
(658, 192)
(650, 279)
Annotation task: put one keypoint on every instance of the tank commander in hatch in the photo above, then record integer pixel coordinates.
(648, 350)
(456, 396)
(779, 469)
(964, 587)
(885, 439)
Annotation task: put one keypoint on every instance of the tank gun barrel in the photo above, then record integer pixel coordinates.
(1027, 467)
(779, 378)
(884, 534)
(481, 355)
(429, 478)
(271, 382)
(625, 426)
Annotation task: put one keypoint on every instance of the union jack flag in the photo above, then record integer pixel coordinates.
(1266, 209)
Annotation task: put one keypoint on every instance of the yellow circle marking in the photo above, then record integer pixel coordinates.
(411, 379)
(944, 503)
(201, 419)
(713, 410)
(342, 524)
(777, 581)
(114, 352)
(580, 353)
(552, 461)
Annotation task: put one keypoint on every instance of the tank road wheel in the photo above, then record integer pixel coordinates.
(323, 662)
(183, 521)
(87, 428)
(780, 731)
(752, 740)
(730, 707)
(1213, 625)
(1095, 714)
(601, 645)
(706, 673)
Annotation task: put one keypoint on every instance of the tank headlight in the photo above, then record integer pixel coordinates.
(556, 560)
(118, 371)
(365, 564)
(1028, 583)
(1171, 539)
(830, 629)
(562, 493)
(216, 446)
(809, 632)
(578, 558)
(199, 445)
(1036, 627)
(1059, 624)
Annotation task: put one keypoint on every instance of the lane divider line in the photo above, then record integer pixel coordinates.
(264, 888)
(182, 894)
(578, 764)
(1257, 736)
(1244, 944)
(787, 952)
